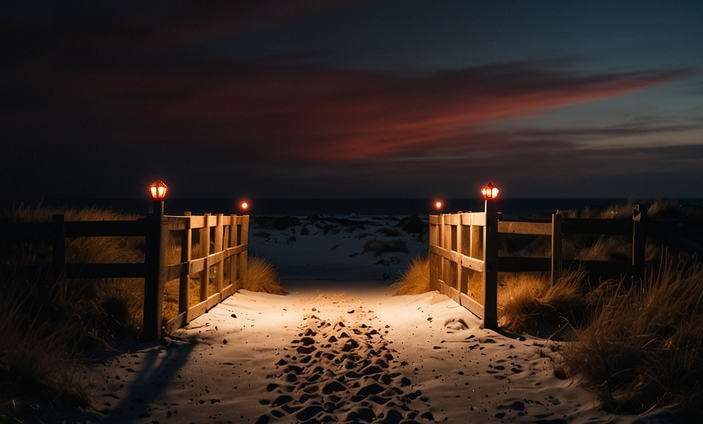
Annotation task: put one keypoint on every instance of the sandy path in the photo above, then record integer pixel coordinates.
(332, 355)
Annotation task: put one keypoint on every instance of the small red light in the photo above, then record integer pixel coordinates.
(245, 205)
(438, 205)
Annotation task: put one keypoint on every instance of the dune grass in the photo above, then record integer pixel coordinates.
(416, 279)
(643, 345)
(523, 299)
(37, 357)
(262, 276)
(530, 299)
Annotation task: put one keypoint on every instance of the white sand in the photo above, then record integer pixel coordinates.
(336, 349)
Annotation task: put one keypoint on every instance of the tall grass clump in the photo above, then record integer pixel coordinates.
(416, 279)
(37, 360)
(262, 276)
(529, 299)
(643, 347)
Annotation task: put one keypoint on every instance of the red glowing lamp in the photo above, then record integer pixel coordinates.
(438, 205)
(158, 190)
(490, 192)
(244, 205)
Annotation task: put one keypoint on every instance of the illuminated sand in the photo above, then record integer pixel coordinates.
(358, 356)
(337, 350)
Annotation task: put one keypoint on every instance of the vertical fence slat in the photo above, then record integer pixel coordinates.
(186, 255)
(475, 249)
(218, 248)
(205, 251)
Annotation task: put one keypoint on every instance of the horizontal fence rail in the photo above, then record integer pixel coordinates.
(468, 242)
(223, 250)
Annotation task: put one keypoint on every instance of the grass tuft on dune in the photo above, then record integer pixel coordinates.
(37, 357)
(529, 299)
(262, 276)
(643, 346)
(416, 279)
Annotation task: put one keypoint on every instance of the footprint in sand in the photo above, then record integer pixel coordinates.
(343, 373)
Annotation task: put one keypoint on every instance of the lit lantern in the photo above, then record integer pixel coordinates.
(490, 192)
(158, 190)
(244, 205)
(438, 205)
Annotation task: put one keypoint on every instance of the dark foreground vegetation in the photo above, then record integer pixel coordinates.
(47, 324)
(638, 345)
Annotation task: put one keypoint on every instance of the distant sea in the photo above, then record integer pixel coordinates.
(511, 208)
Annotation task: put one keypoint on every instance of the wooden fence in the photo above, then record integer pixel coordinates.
(222, 240)
(465, 242)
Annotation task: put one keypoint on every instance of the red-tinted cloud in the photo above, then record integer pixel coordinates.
(320, 114)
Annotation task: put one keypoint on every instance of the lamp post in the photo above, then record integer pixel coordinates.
(490, 258)
(156, 263)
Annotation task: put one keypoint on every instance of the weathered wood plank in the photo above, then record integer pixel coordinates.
(213, 300)
(472, 263)
(449, 291)
(197, 310)
(472, 305)
(452, 219)
(180, 320)
(228, 291)
(518, 227)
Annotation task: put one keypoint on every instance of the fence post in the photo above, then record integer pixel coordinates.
(639, 241)
(490, 267)
(186, 256)
(155, 258)
(556, 247)
(59, 246)
(463, 247)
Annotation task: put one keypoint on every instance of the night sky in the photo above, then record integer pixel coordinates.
(350, 98)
